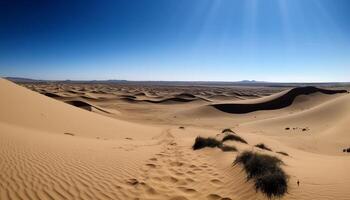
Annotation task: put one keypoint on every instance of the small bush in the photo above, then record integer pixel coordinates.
(257, 164)
(347, 150)
(268, 176)
(282, 153)
(226, 148)
(202, 142)
(274, 184)
(227, 130)
(263, 146)
(234, 138)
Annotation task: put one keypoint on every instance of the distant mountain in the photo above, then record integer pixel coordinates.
(251, 81)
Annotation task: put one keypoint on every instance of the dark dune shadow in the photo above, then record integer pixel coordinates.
(52, 95)
(84, 105)
(278, 103)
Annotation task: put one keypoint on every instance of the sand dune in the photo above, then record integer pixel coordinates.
(53, 150)
(321, 129)
(25, 108)
(278, 101)
(186, 95)
(178, 98)
(166, 100)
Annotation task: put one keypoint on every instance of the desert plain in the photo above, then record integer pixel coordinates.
(77, 140)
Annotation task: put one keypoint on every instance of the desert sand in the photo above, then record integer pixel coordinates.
(119, 141)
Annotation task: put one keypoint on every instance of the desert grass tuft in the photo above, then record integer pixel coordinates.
(266, 172)
(263, 146)
(202, 142)
(227, 130)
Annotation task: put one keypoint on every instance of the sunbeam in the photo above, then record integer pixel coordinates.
(287, 29)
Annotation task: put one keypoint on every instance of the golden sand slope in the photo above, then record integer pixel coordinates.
(52, 150)
(22, 107)
(320, 129)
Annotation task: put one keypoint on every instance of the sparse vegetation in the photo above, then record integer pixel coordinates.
(287, 128)
(227, 130)
(274, 184)
(257, 164)
(202, 142)
(282, 153)
(347, 150)
(234, 138)
(263, 146)
(268, 176)
(181, 127)
(226, 148)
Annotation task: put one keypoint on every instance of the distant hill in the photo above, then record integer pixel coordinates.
(185, 83)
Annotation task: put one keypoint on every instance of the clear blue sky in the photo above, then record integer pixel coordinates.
(218, 40)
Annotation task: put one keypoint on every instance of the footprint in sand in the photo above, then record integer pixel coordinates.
(133, 181)
(216, 181)
(189, 180)
(187, 190)
(190, 173)
(213, 196)
(151, 165)
(176, 163)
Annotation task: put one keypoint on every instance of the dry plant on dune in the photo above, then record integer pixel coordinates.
(263, 146)
(266, 172)
(227, 130)
(202, 142)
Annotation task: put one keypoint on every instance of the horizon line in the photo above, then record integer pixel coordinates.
(180, 81)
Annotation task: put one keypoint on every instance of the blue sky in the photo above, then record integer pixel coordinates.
(199, 40)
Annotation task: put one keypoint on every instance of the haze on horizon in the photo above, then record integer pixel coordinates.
(197, 40)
